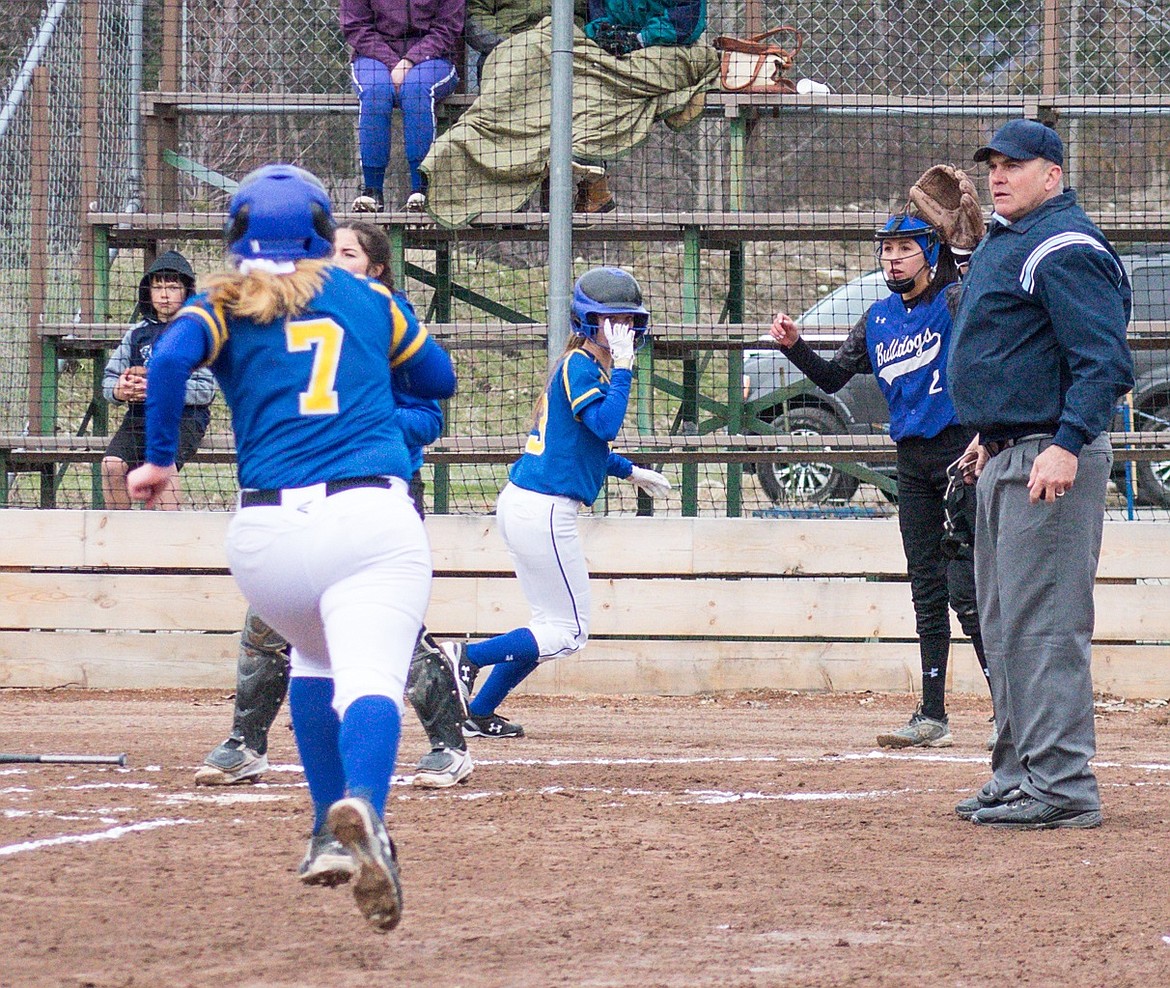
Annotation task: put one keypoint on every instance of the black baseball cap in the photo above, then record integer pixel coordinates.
(1024, 140)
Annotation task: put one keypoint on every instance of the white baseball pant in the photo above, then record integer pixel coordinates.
(540, 531)
(345, 578)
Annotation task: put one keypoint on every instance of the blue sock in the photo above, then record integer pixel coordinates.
(368, 740)
(373, 178)
(315, 724)
(515, 646)
(504, 678)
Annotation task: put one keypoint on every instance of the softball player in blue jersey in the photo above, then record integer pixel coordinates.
(326, 545)
(903, 341)
(564, 464)
(262, 668)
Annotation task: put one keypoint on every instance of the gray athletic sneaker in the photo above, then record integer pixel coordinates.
(984, 799)
(441, 768)
(232, 763)
(326, 862)
(921, 732)
(378, 889)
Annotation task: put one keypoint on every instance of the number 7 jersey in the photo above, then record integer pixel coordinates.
(310, 396)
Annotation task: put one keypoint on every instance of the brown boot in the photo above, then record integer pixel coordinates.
(593, 196)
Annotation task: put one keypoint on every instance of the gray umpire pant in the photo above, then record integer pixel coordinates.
(1035, 566)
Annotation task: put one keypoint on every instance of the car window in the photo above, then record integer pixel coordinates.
(842, 307)
(1151, 291)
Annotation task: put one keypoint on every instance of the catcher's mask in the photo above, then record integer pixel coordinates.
(904, 227)
(602, 292)
(280, 213)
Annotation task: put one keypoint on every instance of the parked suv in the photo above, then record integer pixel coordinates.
(860, 408)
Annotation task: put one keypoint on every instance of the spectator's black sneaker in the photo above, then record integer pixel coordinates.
(491, 726)
(369, 201)
(1029, 813)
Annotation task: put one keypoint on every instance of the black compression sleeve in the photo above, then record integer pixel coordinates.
(827, 375)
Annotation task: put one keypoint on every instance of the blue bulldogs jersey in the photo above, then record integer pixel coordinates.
(328, 387)
(562, 455)
(908, 353)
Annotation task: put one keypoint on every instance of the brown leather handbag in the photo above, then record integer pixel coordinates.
(755, 65)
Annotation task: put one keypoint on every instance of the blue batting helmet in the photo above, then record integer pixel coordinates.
(904, 227)
(602, 292)
(280, 213)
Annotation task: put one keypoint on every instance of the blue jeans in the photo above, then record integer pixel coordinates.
(425, 85)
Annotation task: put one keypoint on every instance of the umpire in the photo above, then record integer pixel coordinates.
(1038, 361)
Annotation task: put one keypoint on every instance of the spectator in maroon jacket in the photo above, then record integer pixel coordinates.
(403, 56)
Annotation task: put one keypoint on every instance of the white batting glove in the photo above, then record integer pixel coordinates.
(650, 481)
(621, 343)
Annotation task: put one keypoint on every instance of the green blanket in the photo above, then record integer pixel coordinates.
(496, 155)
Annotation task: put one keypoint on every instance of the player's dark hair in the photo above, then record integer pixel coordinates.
(376, 244)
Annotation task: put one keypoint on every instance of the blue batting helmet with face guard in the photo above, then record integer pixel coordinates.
(602, 292)
(904, 227)
(280, 213)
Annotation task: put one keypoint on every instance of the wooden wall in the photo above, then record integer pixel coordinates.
(143, 599)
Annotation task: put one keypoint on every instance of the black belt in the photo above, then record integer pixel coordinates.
(996, 446)
(272, 498)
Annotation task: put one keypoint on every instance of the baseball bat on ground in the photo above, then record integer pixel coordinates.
(65, 759)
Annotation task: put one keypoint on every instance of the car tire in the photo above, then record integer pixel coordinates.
(806, 483)
(1153, 476)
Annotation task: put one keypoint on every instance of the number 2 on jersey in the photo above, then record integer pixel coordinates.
(325, 335)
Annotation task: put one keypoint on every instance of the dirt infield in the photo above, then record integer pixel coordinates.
(734, 840)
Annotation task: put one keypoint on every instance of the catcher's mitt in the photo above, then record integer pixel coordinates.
(945, 197)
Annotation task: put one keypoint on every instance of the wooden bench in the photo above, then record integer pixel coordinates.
(710, 229)
(159, 104)
(143, 600)
(46, 455)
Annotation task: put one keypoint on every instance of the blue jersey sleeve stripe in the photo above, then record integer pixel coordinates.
(214, 324)
(403, 343)
(565, 378)
(381, 289)
(585, 399)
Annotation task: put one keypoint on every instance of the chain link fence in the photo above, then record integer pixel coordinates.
(912, 83)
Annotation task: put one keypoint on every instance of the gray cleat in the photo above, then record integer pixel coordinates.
(232, 763)
(378, 889)
(921, 732)
(326, 862)
(441, 768)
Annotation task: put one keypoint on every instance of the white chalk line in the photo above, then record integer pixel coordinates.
(403, 790)
(709, 797)
(226, 798)
(789, 760)
(114, 833)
